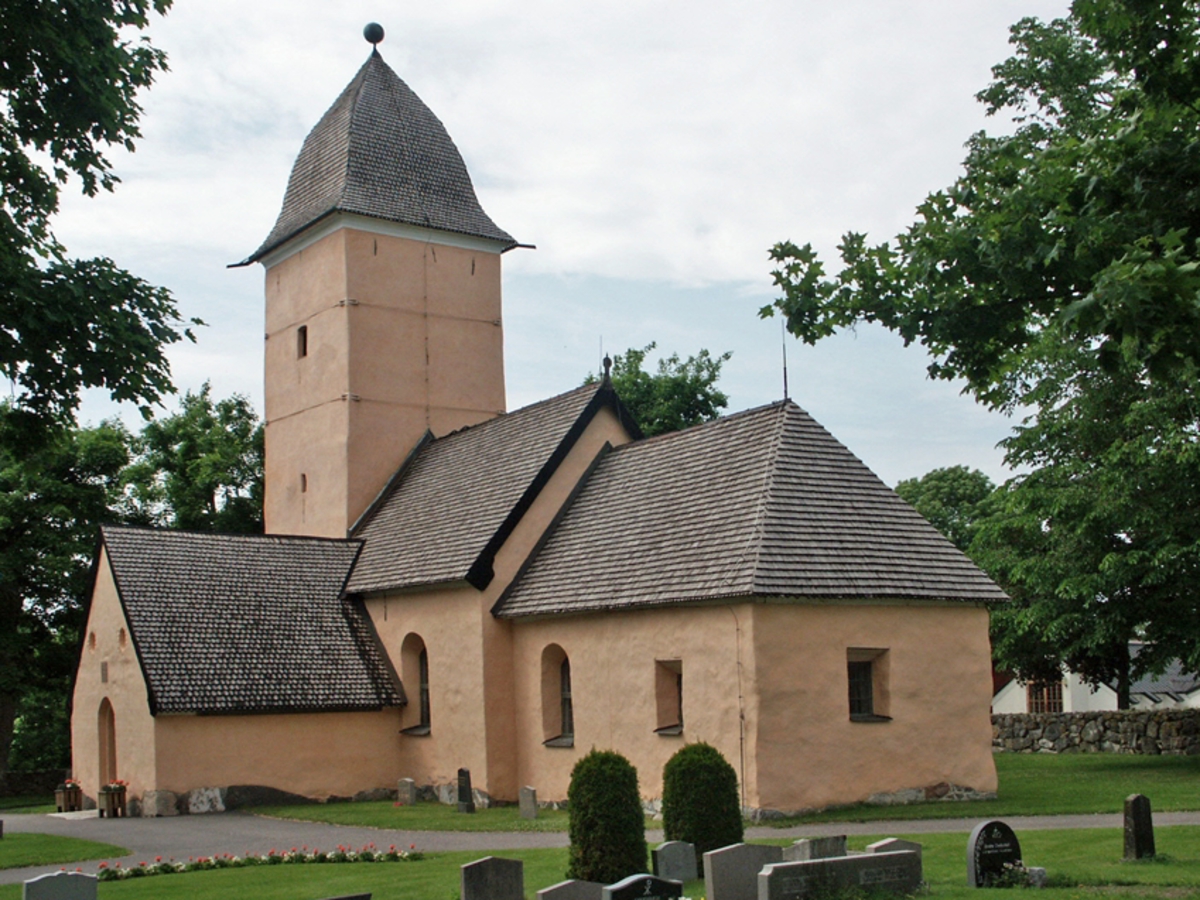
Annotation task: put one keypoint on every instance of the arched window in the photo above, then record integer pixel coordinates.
(414, 674)
(107, 728)
(558, 710)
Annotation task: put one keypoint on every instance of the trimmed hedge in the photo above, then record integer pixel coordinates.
(700, 799)
(607, 826)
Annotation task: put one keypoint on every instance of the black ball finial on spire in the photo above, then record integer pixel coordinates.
(373, 32)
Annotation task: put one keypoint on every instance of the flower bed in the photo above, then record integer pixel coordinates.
(369, 853)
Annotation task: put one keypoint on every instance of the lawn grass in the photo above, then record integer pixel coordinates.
(1042, 784)
(29, 804)
(1081, 864)
(17, 850)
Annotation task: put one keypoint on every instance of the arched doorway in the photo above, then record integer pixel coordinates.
(107, 732)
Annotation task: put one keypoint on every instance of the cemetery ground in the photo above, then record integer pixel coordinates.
(1082, 863)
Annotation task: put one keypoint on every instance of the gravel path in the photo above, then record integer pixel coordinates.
(240, 833)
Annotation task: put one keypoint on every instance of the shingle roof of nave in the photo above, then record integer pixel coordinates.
(247, 623)
(763, 503)
(381, 152)
(452, 498)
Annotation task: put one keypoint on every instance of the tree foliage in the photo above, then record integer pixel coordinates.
(69, 76)
(606, 824)
(1059, 276)
(681, 393)
(952, 499)
(700, 802)
(200, 469)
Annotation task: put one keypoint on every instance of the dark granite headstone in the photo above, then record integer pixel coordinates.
(61, 886)
(642, 887)
(991, 846)
(466, 800)
(572, 890)
(1139, 827)
(872, 873)
(493, 878)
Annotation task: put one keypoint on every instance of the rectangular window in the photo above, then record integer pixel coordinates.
(1044, 698)
(302, 342)
(668, 690)
(568, 711)
(867, 682)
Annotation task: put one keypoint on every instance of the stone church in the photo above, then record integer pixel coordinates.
(445, 583)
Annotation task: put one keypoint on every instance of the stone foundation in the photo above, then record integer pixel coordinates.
(1173, 732)
(936, 793)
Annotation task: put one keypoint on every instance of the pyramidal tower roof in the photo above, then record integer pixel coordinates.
(380, 152)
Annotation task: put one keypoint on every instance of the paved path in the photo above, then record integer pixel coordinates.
(239, 833)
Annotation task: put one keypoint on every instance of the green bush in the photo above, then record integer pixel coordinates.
(700, 799)
(606, 823)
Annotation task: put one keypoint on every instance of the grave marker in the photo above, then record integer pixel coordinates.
(731, 873)
(815, 848)
(466, 799)
(573, 890)
(61, 886)
(675, 860)
(493, 878)
(643, 887)
(991, 846)
(891, 845)
(406, 792)
(898, 872)
(1139, 827)
(528, 803)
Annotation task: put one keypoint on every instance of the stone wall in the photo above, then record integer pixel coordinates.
(1174, 732)
(25, 784)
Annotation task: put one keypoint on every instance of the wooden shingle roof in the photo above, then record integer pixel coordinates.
(457, 498)
(381, 152)
(764, 503)
(247, 623)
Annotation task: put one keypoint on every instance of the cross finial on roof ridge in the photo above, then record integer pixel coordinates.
(607, 369)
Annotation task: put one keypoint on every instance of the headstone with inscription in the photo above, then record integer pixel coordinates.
(991, 846)
(406, 792)
(731, 873)
(572, 890)
(676, 860)
(528, 803)
(891, 845)
(815, 848)
(466, 800)
(871, 873)
(61, 886)
(493, 878)
(643, 887)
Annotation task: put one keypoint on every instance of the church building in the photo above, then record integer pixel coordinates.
(446, 584)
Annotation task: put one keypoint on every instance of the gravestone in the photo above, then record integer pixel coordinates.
(406, 792)
(675, 860)
(991, 846)
(892, 845)
(643, 887)
(528, 803)
(466, 800)
(493, 878)
(731, 873)
(61, 886)
(1139, 827)
(573, 890)
(815, 848)
(871, 873)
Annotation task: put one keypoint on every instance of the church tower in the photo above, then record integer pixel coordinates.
(383, 311)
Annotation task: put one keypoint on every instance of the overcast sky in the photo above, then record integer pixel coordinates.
(653, 151)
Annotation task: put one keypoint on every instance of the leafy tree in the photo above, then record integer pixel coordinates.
(69, 76)
(681, 393)
(606, 824)
(51, 504)
(953, 500)
(200, 469)
(1059, 276)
